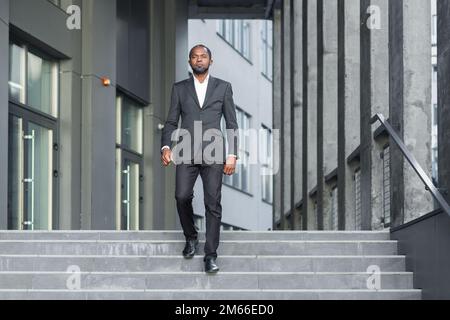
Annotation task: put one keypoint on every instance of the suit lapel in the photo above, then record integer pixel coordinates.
(212, 83)
(209, 91)
(191, 89)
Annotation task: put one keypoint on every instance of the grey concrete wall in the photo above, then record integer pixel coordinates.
(98, 115)
(53, 33)
(133, 48)
(4, 67)
(426, 243)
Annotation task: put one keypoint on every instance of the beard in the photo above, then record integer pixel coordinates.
(200, 70)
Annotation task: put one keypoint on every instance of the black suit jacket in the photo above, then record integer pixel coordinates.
(218, 102)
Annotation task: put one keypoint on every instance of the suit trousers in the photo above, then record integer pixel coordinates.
(211, 175)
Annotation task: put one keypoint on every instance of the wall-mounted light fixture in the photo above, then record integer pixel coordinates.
(106, 82)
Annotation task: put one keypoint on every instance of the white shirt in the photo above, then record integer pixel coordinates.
(200, 89)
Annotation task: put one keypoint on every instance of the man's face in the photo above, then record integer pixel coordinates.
(200, 60)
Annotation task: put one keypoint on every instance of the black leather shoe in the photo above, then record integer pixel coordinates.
(190, 248)
(210, 265)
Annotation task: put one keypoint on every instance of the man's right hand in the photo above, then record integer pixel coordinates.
(166, 157)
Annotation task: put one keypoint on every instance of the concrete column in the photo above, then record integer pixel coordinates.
(443, 17)
(305, 125)
(98, 115)
(396, 103)
(374, 99)
(70, 133)
(154, 209)
(286, 158)
(277, 93)
(319, 132)
(417, 112)
(410, 102)
(4, 67)
(348, 107)
(311, 129)
(329, 121)
(297, 97)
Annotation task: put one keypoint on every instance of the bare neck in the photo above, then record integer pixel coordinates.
(201, 77)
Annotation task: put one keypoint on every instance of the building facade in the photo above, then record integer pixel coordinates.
(339, 64)
(83, 98)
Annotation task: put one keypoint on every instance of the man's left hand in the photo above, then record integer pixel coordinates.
(230, 166)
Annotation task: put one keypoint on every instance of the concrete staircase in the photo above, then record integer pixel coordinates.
(148, 265)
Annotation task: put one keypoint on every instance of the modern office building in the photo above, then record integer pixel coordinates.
(85, 88)
(242, 54)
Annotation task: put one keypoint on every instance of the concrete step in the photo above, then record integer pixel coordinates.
(201, 280)
(211, 295)
(178, 235)
(177, 263)
(175, 247)
(253, 266)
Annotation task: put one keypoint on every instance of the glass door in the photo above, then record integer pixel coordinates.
(31, 174)
(130, 193)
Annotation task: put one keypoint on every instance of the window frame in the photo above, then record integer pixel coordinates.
(124, 153)
(239, 38)
(56, 79)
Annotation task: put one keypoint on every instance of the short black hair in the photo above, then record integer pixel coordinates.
(198, 46)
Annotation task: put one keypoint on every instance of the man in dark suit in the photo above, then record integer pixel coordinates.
(201, 101)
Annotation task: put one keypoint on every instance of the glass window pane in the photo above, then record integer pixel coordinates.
(17, 73)
(40, 86)
(236, 176)
(246, 130)
(270, 33)
(245, 173)
(229, 30)
(246, 40)
(264, 31)
(131, 125)
(270, 62)
(238, 35)
(130, 196)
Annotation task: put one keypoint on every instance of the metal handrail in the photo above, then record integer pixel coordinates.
(412, 160)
